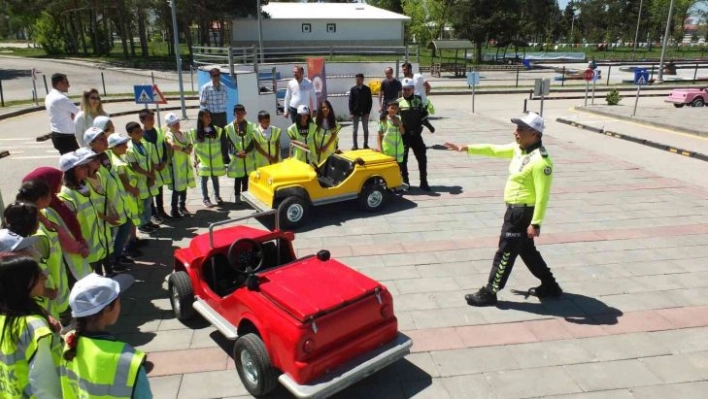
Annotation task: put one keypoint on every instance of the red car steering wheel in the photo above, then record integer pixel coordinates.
(246, 256)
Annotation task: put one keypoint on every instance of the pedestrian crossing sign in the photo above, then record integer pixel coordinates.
(641, 77)
(143, 94)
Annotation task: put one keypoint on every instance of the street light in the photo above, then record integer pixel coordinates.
(572, 27)
(660, 77)
(175, 33)
(639, 18)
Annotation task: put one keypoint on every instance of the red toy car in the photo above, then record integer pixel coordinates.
(692, 97)
(312, 324)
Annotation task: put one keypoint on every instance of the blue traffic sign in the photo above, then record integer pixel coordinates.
(641, 77)
(143, 94)
(472, 78)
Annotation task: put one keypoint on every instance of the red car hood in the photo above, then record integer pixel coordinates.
(310, 288)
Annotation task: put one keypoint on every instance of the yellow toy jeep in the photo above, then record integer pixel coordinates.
(365, 175)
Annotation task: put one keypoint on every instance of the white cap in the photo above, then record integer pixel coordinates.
(101, 122)
(171, 119)
(12, 242)
(93, 293)
(532, 120)
(117, 139)
(92, 133)
(407, 83)
(71, 160)
(303, 110)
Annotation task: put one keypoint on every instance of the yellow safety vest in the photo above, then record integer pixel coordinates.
(240, 167)
(294, 134)
(114, 191)
(208, 152)
(54, 263)
(163, 177)
(267, 145)
(392, 142)
(77, 264)
(102, 368)
(145, 159)
(319, 139)
(15, 356)
(181, 166)
(92, 228)
(130, 203)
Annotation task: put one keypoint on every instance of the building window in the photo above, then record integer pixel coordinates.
(306, 28)
(331, 28)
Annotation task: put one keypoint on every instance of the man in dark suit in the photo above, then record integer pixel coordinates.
(360, 103)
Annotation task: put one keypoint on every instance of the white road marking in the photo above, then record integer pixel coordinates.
(12, 156)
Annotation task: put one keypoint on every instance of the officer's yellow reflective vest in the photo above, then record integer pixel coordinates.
(318, 142)
(102, 368)
(162, 152)
(78, 265)
(54, 263)
(131, 205)
(268, 145)
(143, 156)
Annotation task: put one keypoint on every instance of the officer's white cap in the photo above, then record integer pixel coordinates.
(303, 110)
(93, 293)
(12, 242)
(407, 83)
(92, 134)
(171, 119)
(531, 120)
(117, 139)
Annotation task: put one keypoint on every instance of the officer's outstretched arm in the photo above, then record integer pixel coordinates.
(542, 179)
(491, 150)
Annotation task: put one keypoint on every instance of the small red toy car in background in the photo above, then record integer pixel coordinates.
(312, 324)
(693, 97)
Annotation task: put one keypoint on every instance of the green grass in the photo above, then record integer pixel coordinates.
(77, 98)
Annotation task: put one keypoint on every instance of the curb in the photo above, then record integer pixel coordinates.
(648, 143)
(48, 136)
(650, 123)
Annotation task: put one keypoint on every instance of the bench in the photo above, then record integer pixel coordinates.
(438, 68)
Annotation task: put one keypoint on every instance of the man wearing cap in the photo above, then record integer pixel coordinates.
(61, 112)
(413, 115)
(299, 92)
(360, 103)
(212, 96)
(526, 194)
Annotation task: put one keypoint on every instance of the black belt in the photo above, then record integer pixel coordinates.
(514, 206)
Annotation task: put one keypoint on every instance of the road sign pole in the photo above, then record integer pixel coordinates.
(34, 86)
(473, 85)
(587, 88)
(593, 91)
(636, 101)
(543, 95)
(178, 57)
(157, 106)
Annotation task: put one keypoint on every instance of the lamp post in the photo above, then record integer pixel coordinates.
(178, 58)
(260, 30)
(660, 77)
(639, 18)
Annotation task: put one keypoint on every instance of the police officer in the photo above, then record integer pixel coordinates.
(413, 115)
(526, 195)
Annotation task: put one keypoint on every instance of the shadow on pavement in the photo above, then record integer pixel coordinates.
(8, 74)
(402, 379)
(574, 308)
(434, 191)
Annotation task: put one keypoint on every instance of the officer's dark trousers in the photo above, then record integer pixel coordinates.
(414, 142)
(515, 241)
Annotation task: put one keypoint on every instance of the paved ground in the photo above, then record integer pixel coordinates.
(626, 237)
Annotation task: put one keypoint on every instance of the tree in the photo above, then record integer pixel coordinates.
(480, 20)
(391, 5)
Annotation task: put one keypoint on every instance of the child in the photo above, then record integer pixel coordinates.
(182, 177)
(390, 133)
(266, 141)
(141, 160)
(77, 196)
(115, 196)
(210, 154)
(74, 249)
(299, 132)
(117, 148)
(155, 137)
(26, 332)
(240, 134)
(94, 360)
(325, 141)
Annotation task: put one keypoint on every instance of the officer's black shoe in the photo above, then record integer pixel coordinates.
(424, 186)
(483, 297)
(552, 290)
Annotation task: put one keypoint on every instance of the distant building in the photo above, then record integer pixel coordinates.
(321, 24)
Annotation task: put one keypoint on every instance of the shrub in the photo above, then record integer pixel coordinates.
(613, 97)
(47, 32)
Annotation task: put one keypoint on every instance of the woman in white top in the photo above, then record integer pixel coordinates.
(91, 107)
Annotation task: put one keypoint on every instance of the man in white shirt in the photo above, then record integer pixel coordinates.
(61, 112)
(299, 92)
(212, 96)
(422, 87)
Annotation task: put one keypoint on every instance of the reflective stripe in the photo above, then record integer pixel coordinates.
(318, 140)
(145, 162)
(15, 356)
(75, 262)
(132, 210)
(90, 224)
(294, 134)
(164, 177)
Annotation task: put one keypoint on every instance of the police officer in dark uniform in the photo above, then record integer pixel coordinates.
(526, 195)
(413, 115)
